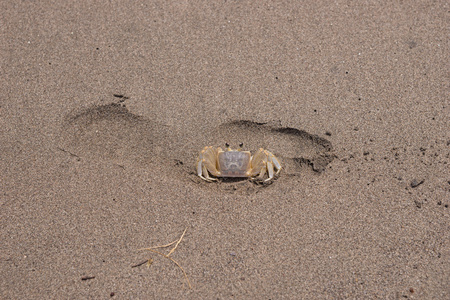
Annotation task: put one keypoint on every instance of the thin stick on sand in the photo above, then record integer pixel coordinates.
(177, 242)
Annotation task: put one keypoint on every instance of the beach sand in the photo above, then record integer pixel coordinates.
(105, 107)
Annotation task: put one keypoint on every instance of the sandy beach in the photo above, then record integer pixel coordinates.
(105, 107)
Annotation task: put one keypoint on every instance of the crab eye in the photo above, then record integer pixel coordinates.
(241, 144)
(227, 145)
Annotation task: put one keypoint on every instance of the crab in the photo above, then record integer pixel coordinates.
(236, 163)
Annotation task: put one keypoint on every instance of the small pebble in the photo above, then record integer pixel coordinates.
(415, 183)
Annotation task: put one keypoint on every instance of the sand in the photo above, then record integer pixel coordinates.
(105, 107)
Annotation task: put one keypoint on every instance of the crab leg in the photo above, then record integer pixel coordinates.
(258, 164)
(206, 164)
(270, 170)
(206, 175)
(264, 162)
(262, 173)
(202, 172)
(200, 165)
(274, 160)
(211, 167)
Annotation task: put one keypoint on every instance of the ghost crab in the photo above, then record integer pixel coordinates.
(236, 163)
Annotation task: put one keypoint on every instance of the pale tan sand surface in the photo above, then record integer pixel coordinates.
(104, 107)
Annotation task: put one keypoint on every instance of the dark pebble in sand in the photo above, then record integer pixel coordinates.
(415, 183)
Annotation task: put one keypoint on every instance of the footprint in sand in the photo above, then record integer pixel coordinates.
(112, 133)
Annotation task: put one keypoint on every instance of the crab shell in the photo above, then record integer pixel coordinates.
(236, 163)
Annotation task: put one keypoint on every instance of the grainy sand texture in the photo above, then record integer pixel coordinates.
(105, 106)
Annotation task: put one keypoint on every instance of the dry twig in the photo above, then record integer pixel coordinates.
(177, 242)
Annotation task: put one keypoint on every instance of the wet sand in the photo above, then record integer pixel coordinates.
(104, 110)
